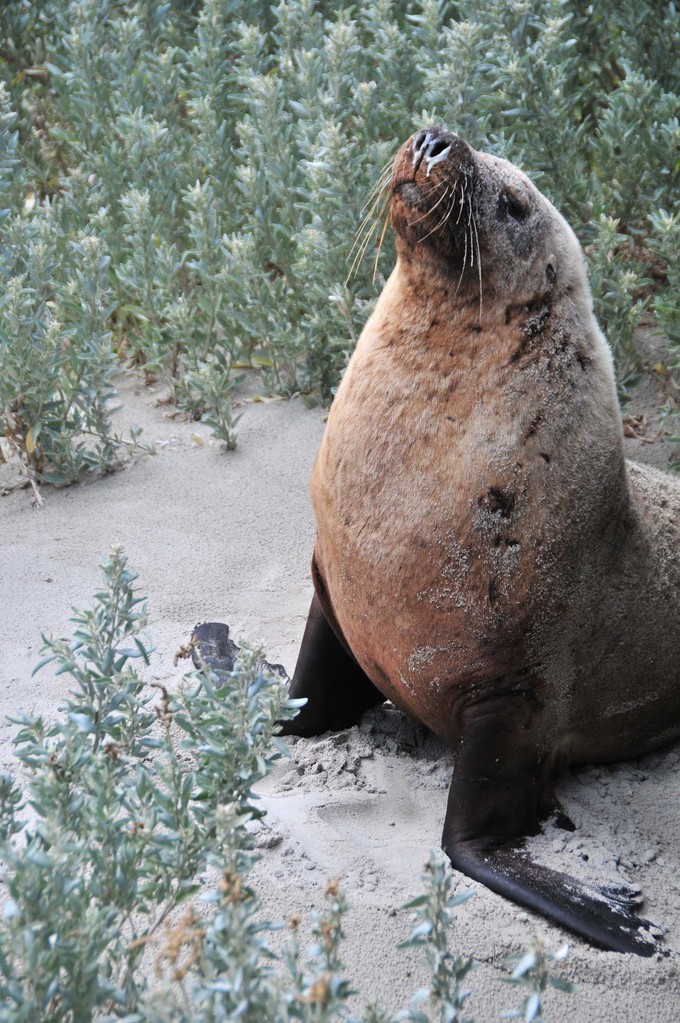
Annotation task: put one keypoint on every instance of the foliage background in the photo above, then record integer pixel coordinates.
(182, 184)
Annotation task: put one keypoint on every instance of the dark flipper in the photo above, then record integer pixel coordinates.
(212, 645)
(493, 804)
(326, 675)
(337, 690)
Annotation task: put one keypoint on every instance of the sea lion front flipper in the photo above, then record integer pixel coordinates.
(493, 805)
(337, 690)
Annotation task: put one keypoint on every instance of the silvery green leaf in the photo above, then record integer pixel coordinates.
(526, 963)
(83, 722)
(533, 1007)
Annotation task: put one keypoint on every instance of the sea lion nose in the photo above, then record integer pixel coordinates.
(434, 145)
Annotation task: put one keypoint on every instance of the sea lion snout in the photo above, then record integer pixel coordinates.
(433, 145)
(432, 172)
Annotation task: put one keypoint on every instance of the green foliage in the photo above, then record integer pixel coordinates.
(131, 799)
(616, 279)
(116, 839)
(533, 973)
(434, 909)
(637, 143)
(55, 351)
(223, 153)
(665, 242)
(206, 394)
(8, 145)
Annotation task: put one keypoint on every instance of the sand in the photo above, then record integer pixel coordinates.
(228, 536)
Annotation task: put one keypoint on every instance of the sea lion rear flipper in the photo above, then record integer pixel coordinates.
(493, 805)
(337, 690)
(211, 645)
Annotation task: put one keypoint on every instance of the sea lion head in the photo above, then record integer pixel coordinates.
(478, 221)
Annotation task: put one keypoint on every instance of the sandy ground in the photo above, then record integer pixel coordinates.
(229, 537)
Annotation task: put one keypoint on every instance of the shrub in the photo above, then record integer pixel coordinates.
(665, 242)
(223, 152)
(134, 796)
(56, 355)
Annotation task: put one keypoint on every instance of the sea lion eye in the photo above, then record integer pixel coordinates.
(511, 205)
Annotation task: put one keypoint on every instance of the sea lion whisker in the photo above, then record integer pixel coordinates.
(376, 193)
(361, 251)
(468, 227)
(479, 265)
(370, 218)
(382, 237)
(462, 269)
(387, 166)
(380, 197)
(427, 213)
(468, 255)
(463, 191)
(361, 242)
(442, 220)
(366, 240)
(366, 228)
(382, 182)
(449, 211)
(386, 169)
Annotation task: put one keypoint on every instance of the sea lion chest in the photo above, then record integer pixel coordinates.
(420, 505)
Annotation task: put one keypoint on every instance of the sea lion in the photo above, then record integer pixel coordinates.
(485, 558)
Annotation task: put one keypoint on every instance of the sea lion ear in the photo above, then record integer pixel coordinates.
(551, 270)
